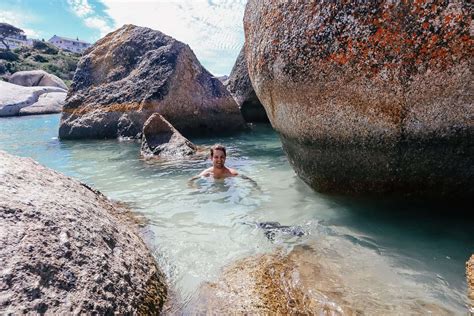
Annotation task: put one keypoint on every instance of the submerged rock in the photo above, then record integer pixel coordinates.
(18, 100)
(33, 78)
(243, 93)
(67, 249)
(136, 71)
(368, 97)
(161, 139)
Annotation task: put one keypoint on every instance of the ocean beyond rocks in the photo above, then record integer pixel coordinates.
(67, 249)
(368, 97)
(134, 72)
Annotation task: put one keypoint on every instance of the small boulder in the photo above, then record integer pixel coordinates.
(240, 87)
(161, 139)
(47, 103)
(34, 78)
(14, 98)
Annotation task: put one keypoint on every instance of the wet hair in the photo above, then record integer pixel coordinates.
(217, 147)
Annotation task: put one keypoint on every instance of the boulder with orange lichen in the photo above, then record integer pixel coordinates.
(134, 72)
(368, 97)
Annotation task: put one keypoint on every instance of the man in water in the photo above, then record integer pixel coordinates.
(218, 169)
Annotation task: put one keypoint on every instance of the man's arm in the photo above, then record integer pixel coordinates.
(205, 173)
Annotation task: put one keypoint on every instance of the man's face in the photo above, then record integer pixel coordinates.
(218, 159)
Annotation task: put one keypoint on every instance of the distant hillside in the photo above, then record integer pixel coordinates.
(41, 56)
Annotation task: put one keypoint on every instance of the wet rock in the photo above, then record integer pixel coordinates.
(33, 78)
(67, 249)
(470, 279)
(307, 281)
(243, 93)
(17, 100)
(368, 97)
(161, 139)
(47, 103)
(136, 71)
(272, 229)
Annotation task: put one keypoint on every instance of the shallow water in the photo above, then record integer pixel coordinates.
(387, 253)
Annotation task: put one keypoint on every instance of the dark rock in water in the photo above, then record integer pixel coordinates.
(271, 229)
(134, 72)
(369, 97)
(66, 249)
(161, 139)
(241, 89)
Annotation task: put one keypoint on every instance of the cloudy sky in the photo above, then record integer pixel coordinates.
(213, 28)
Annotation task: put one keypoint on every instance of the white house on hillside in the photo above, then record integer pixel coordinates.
(73, 45)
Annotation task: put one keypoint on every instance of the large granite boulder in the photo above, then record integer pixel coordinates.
(161, 139)
(33, 78)
(18, 100)
(136, 71)
(67, 249)
(368, 97)
(240, 87)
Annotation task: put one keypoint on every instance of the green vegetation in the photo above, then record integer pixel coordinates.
(41, 56)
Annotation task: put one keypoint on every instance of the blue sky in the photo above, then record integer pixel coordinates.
(213, 28)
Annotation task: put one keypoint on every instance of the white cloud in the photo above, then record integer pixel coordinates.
(19, 20)
(81, 8)
(213, 29)
(31, 33)
(98, 23)
(91, 19)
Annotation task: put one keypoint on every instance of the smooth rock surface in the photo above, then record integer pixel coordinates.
(47, 103)
(134, 72)
(161, 139)
(240, 86)
(33, 78)
(369, 97)
(67, 249)
(14, 98)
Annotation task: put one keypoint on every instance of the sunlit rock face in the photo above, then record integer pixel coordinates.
(369, 97)
(161, 139)
(241, 89)
(67, 249)
(134, 72)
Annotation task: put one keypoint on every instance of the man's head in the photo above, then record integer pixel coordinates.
(218, 155)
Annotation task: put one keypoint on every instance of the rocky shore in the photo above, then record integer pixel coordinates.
(67, 249)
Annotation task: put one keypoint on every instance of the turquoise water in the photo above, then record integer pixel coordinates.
(390, 252)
